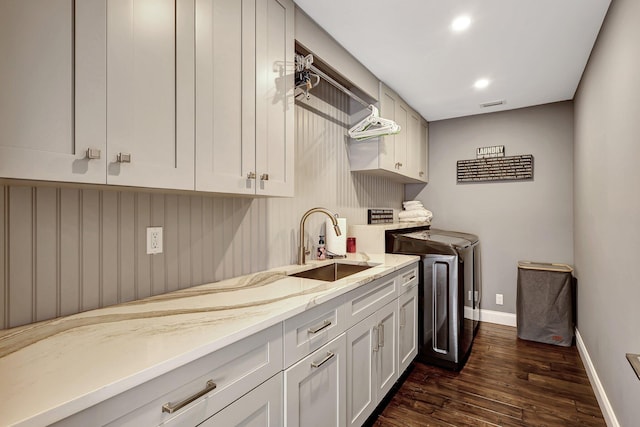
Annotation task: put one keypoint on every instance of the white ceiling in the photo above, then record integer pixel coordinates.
(532, 51)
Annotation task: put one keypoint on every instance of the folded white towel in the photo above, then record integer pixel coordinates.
(414, 208)
(416, 213)
(412, 203)
(418, 219)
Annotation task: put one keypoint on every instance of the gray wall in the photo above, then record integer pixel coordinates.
(70, 249)
(520, 220)
(607, 206)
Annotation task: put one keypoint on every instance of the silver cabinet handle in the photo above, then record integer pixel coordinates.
(328, 357)
(376, 342)
(93, 153)
(403, 314)
(316, 329)
(421, 173)
(413, 276)
(171, 408)
(264, 177)
(124, 158)
(251, 175)
(381, 335)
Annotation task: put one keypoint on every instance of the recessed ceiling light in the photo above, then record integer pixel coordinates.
(481, 83)
(461, 23)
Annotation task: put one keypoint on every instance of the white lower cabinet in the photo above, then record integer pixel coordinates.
(330, 375)
(407, 328)
(315, 388)
(194, 392)
(261, 407)
(372, 366)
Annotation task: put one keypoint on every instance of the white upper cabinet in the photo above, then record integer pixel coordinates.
(150, 93)
(225, 98)
(104, 91)
(401, 157)
(52, 105)
(274, 97)
(244, 89)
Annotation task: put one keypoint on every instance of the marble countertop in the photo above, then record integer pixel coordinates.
(53, 369)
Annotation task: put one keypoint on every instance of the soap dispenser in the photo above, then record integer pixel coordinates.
(322, 252)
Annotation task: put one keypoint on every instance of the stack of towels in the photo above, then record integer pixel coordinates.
(414, 211)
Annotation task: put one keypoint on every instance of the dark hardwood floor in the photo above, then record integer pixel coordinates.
(506, 382)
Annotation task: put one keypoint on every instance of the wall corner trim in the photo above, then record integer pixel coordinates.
(598, 389)
(499, 317)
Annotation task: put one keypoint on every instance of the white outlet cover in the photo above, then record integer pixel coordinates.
(154, 240)
(499, 299)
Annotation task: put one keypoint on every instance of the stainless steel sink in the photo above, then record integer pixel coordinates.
(331, 272)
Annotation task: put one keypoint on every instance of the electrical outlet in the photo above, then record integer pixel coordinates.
(499, 299)
(154, 240)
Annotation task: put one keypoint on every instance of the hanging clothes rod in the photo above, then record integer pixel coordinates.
(338, 86)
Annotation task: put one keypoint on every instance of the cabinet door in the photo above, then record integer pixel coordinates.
(413, 161)
(424, 151)
(315, 388)
(274, 97)
(386, 147)
(387, 366)
(52, 102)
(150, 93)
(407, 328)
(362, 349)
(400, 139)
(261, 407)
(225, 95)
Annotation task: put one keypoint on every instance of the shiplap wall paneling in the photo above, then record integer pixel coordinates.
(70, 252)
(126, 246)
(143, 261)
(109, 249)
(3, 245)
(46, 254)
(157, 261)
(170, 248)
(90, 249)
(21, 241)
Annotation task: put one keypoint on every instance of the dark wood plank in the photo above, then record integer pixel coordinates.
(506, 382)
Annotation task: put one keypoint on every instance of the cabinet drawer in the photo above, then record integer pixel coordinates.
(261, 407)
(407, 278)
(312, 329)
(369, 298)
(234, 369)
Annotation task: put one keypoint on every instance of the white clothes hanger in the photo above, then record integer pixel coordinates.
(373, 125)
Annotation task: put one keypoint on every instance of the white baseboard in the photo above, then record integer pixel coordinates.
(499, 317)
(601, 396)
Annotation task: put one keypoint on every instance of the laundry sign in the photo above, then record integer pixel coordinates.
(493, 151)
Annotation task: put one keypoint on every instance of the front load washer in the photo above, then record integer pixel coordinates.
(450, 284)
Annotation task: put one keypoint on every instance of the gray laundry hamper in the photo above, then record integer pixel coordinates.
(545, 303)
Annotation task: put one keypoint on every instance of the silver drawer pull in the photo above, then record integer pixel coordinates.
(93, 153)
(124, 158)
(317, 329)
(171, 408)
(411, 278)
(328, 357)
(376, 342)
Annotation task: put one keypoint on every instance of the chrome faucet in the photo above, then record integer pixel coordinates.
(302, 251)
